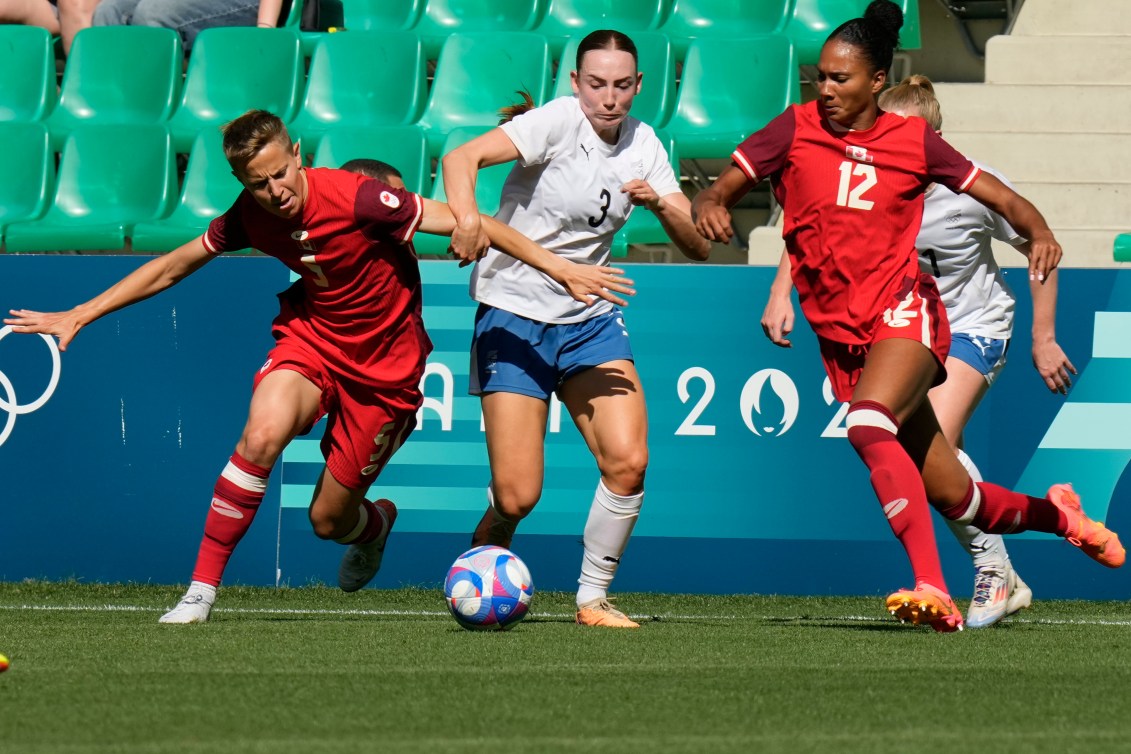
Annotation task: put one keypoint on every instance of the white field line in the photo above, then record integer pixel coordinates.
(444, 613)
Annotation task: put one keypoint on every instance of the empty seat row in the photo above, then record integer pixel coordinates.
(378, 79)
(807, 22)
(115, 182)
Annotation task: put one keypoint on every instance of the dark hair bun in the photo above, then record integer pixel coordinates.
(886, 15)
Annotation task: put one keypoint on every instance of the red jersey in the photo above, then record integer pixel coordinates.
(358, 304)
(852, 206)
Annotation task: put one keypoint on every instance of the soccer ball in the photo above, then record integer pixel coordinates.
(488, 588)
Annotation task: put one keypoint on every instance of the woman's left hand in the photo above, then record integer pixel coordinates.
(1053, 365)
(641, 194)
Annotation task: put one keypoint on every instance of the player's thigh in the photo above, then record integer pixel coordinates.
(897, 374)
(285, 403)
(607, 405)
(515, 426)
(954, 401)
(945, 479)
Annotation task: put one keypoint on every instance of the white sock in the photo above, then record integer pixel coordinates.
(985, 549)
(205, 590)
(611, 520)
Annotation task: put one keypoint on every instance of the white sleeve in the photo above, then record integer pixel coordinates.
(659, 174)
(538, 133)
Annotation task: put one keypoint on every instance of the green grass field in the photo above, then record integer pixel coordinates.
(315, 670)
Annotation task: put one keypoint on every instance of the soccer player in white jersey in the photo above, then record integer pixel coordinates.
(582, 164)
(954, 246)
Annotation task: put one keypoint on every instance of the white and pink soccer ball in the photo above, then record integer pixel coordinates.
(488, 588)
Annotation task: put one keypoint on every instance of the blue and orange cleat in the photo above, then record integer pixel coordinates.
(1097, 541)
(926, 604)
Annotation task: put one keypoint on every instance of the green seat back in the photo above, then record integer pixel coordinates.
(655, 60)
(380, 15)
(29, 168)
(813, 20)
(488, 186)
(362, 78)
(403, 147)
(478, 74)
(235, 69)
(442, 18)
(732, 87)
(110, 177)
(576, 18)
(27, 73)
(691, 19)
(209, 189)
(104, 82)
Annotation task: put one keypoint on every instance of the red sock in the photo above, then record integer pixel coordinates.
(235, 499)
(872, 431)
(1002, 511)
(370, 524)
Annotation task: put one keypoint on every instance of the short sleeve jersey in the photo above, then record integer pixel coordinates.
(852, 204)
(360, 302)
(564, 193)
(954, 246)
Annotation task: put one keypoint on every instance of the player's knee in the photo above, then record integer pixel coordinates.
(261, 445)
(624, 472)
(515, 501)
(325, 526)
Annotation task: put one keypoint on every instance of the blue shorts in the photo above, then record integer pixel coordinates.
(513, 354)
(987, 355)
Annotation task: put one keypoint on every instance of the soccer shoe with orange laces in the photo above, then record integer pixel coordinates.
(926, 604)
(599, 612)
(361, 562)
(1097, 541)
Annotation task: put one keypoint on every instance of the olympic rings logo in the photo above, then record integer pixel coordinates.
(8, 401)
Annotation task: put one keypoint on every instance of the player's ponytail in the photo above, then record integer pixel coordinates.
(875, 34)
(915, 93)
(510, 112)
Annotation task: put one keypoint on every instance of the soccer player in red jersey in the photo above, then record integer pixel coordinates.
(850, 179)
(350, 339)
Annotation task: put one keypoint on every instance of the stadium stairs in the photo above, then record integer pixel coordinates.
(1051, 115)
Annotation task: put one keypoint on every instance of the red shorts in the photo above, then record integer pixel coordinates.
(365, 425)
(915, 313)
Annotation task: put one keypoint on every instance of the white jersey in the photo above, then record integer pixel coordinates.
(954, 246)
(564, 193)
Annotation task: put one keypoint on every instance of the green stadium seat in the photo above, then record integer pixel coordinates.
(655, 60)
(692, 19)
(362, 78)
(104, 82)
(813, 20)
(1121, 249)
(642, 226)
(442, 18)
(576, 18)
(478, 74)
(110, 177)
(29, 171)
(208, 191)
(403, 147)
(380, 15)
(730, 89)
(488, 187)
(27, 75)
(234, 69)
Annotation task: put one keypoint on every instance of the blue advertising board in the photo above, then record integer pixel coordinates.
(751, 484)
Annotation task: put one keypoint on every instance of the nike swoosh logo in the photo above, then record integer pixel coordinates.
(226, 509)
(895, 507)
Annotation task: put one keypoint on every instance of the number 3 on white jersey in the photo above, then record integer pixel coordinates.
(855, 199)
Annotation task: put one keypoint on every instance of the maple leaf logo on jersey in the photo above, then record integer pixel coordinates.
(860, 154)
(390, 200)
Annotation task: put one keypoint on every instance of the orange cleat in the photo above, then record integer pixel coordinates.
(599, 612)
(926, 604)
(1097, 541)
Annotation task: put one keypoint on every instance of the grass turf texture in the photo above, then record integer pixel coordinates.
(313, 670)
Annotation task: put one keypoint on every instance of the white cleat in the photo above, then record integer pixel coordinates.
(361, 562)
(998, 593)
(194, 607)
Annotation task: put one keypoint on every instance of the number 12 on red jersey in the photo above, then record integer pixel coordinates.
(853, 196)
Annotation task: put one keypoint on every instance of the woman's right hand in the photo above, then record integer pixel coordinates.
(588, 283)
(713, 222)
